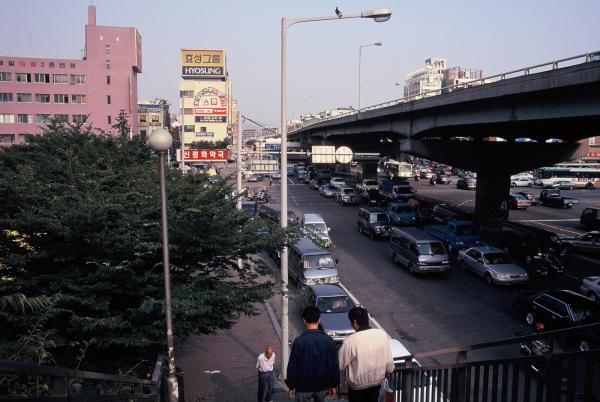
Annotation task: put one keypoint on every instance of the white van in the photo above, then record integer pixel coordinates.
(315, 224)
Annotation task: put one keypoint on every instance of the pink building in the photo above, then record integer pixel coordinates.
(100, 85)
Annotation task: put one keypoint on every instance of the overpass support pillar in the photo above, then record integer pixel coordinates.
(491, 196)
(369, 171)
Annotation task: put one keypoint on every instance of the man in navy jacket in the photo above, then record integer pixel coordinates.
(313, 369)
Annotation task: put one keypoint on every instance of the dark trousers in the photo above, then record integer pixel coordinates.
(266, 386)
(370, 394)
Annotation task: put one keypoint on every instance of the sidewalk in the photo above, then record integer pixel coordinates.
(221, 367)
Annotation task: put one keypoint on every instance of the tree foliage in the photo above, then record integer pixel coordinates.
(80, 239)
(221, 144)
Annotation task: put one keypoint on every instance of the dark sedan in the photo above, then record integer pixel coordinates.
(533, 199)
(466, 183)
(334, 303)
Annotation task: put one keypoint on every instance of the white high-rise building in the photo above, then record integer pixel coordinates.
(427, 80)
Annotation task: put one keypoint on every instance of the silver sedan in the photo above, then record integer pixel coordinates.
(586, 243)
(327, 190)
(493, 264)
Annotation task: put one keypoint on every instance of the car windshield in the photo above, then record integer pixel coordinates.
(466, 230)
(378, 218)
(401, 208)
(518, 197)
(329, 188)
(348, 191)
(334, 304)
(249, 207)
(319, 261)
(584, 314)
(435, 248)
(370, 182)
(317, 227)
(497, 258)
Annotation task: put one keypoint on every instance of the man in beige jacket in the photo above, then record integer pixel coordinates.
(367, 356)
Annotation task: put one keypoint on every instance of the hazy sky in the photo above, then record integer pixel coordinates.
(496, 36)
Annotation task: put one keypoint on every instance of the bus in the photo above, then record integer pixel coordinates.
(583, 175)
(402, 170)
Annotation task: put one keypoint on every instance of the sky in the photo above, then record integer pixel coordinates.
(322, 57)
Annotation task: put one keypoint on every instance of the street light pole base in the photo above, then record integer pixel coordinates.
(173, 388)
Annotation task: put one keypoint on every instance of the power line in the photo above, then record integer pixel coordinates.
(260, 125)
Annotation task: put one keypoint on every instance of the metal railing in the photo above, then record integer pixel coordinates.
(21, 382)
(551, 65)
(556, 375)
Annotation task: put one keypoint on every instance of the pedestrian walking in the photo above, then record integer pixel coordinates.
(266, 377)
(313, 369)
(368, 357)
(270, 180)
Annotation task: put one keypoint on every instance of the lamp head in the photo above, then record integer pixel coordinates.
(378, 43)
(160, 140)
(378, 14)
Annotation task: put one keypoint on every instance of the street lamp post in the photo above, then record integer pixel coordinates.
(160, 140)
(378, 15)
(359, 66)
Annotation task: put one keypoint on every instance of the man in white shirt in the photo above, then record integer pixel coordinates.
(367, 356)
(266, 377)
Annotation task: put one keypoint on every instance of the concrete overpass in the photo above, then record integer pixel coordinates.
(454, 127)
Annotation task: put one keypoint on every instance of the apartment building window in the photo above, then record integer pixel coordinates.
(107, 49)
(108, 99)
(7, 118)
(60, 78)
(6, 97)
(23, 77)
(77, 79)
(42, 98)
(25, 118)
(63, 118)
(108, 80)
(108, 64)
(6, 138)
(185, 93)
(5, 76)
(78, 118)
(61, 98)
(42, 118)
(23, 98)
(77, 98)
(109, 119)
(188, 129)
(41, 77)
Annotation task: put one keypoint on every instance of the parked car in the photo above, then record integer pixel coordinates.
(310, 264)
(255, 177)
(215, 179)
(466, 183)
(327, 191)
(493, 264)
(585, 243)
(374, 222)
(556, 309)
(334, 303)
(272, 212)
(590, 218)
(276, 176)
(533, 199)
(553, 198)
(346, 196)
(418, 251)
(400, 213)
(539, 249)
(316, 224)
(517, 201)
(563, 185)
(590, 287)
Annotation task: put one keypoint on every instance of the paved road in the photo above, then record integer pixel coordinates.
(424, 312)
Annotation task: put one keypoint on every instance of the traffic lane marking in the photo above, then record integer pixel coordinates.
(546, 220)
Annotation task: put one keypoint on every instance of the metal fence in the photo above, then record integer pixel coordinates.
(21, 382)
(551, 65)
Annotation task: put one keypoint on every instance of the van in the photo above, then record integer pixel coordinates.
(310, 264)
(272, 213)
(315, 224)
(418, 251)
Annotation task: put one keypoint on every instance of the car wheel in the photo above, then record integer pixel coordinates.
(372, 236)
(592, 296)
(488, 279)
(589, 186)
(411, 269)
(530, 318)
(571, 188)
(529, 184)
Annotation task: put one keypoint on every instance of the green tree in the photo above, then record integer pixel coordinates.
(221, 144)
(122, 125)
(79, 225)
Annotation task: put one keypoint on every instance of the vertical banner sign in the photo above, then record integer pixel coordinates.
(196, 63)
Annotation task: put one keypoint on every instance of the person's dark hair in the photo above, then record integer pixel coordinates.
(360, 315)
(311, 314)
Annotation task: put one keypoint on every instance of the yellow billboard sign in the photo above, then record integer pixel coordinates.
(196, 63)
